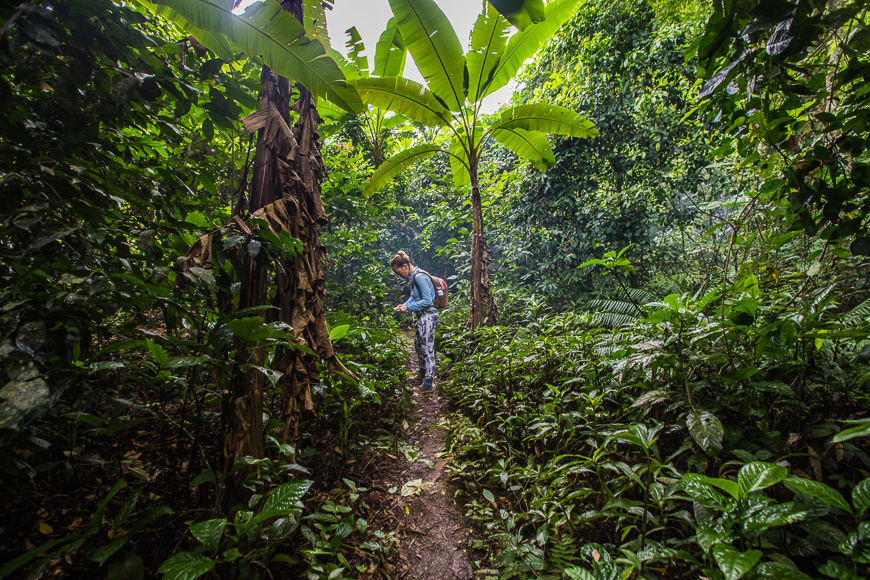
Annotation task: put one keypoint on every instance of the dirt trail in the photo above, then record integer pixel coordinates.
(433, 534)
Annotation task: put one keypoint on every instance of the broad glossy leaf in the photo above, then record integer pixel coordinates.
(705, 495)
(861, 430)
(520, 13)
(524, 44)
(781, 514)
(529, 145)
(390, 52)
(209, 533)
(433, 44)
(397, 163)
(546, 118)
(726, 485)
(283, 499)
(706, 430)
(355, 50)
(861, 496)
(217, 43)
(185, 566)
(777, 571)
(709, 536)
(818, 490)
(578, 574)
(759, 475)
(734, 564)
(338, 332)
(266, 30)
(404, 97)
(488, 41)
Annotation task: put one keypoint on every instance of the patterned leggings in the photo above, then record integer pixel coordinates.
(424, 342)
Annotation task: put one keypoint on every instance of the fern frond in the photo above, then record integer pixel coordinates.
(858, 314)
(613, 319)
(614, 307)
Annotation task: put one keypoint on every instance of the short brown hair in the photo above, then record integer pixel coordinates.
(399, 260)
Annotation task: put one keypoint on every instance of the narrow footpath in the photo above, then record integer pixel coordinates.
(417, 498)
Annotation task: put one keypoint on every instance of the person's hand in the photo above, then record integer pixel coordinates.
(401, 308)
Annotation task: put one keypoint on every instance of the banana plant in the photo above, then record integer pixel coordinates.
(291, 49)
(456, 84)
(390, 57)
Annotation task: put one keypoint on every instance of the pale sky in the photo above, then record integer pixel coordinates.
(370, 18)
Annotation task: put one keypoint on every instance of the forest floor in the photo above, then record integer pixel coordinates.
(411, 496)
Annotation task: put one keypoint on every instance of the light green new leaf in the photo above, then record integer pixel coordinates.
(268, 31)
(390, 52)
(529, 145)
(735, 564)
(546, 118)
(459, 163)
(404, 97)
(435, 48)
(314, 21)
(355, 50)
(759, 475)
(818, 490)
(329, 112)
(520, 13)
(488, 40)
(526, 43)
(397, 163)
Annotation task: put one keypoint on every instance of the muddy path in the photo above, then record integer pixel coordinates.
(412, 498)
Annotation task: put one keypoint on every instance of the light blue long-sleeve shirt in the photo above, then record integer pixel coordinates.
(422, 292)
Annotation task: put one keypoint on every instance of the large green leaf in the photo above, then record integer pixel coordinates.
(404, 97)
(314, 21)
(735, 564)
(488, 41)
(818, 490)
(355, 50)
(520, 13)
(759, 475)
(209, 532)
(706, 430)
(861, 496)
(266, 30)
(530, 145)
(397, 163)
(546, 118)
(283, 499)
(217, 43)
(526, 43)
(390, 52)
(726, 485)
(433, 44)
(185, 566)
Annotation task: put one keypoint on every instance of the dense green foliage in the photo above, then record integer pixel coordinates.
(679, 383)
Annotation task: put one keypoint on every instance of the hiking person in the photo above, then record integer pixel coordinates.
(422, 304)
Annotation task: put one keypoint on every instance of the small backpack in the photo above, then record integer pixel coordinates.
(440, 289)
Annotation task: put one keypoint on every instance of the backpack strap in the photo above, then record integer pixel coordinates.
(414, 278)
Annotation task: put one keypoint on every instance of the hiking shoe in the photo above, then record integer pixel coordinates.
(427, 385)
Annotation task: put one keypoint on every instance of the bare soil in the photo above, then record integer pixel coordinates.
(412, 496)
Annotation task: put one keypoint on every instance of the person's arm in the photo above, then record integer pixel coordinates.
(427, 294)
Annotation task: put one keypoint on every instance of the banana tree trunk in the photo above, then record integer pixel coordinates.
(483, 308)
(285, 190)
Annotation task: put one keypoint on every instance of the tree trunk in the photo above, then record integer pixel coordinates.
(483, 307)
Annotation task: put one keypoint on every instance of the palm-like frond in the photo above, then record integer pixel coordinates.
(546, 118)
(433, 44)
(525, 43)
(397, 163)
(488, 40)
(404, 97)
(614, 307)
(314, 21)
(612, 319)
(858, 314)
(529, 145)
(355, 50)
(520, 13)
(266, 30)
(390, 52)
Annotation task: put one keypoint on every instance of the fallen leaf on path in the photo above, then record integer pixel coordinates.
(412, 487)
